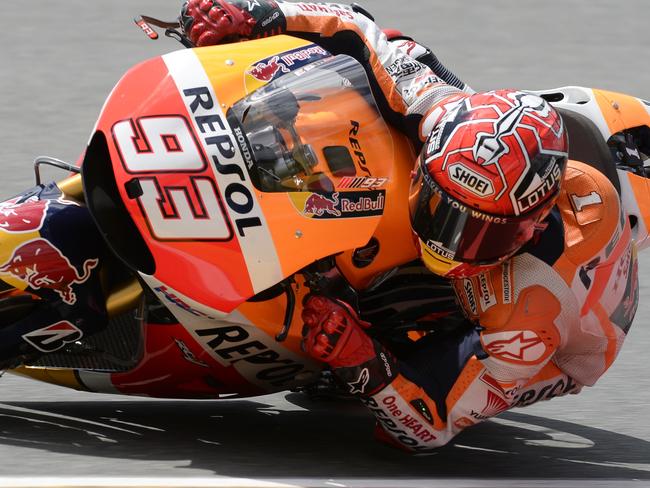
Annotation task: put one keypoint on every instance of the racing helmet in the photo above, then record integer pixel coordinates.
(487, 177)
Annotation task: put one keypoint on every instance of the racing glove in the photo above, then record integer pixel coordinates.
(210, 22)
(334, 334)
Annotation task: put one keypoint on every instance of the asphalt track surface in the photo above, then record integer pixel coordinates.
(58, 61)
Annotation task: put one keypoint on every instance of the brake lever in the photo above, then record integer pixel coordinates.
(180, 37)
(171, 29)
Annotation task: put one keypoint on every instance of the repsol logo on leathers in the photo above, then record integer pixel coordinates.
(398, 425)
(533, 395)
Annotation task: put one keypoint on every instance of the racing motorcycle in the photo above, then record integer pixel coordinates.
(220, 186)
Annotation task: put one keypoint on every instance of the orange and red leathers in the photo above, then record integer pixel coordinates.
(553, 319)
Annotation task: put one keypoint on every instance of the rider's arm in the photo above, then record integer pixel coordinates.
(408, 86)
(425, 56)
(439, 386)
(444, 388)
(405, 88)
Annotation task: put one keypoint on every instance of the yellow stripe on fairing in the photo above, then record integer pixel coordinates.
(60, 377)
(9, 242)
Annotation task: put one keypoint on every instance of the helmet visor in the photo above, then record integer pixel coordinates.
(457, 232)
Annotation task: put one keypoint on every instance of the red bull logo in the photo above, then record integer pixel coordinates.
(318, 205)
(41, 265)
(27, 216)
(266, 71)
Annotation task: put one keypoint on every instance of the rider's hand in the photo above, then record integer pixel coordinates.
(210, 22)
(334, 334)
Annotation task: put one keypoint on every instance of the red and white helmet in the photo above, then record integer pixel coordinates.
(488, 174)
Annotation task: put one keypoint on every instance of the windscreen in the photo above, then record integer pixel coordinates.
(298, 131)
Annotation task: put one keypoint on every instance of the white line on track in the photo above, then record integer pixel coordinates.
(138, 482)
(225, 482)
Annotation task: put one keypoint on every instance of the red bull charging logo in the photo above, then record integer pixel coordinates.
(319, 205)
(41, 265)
(266, 71)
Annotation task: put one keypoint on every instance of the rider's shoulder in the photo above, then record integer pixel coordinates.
(590, 209)
(495, 297)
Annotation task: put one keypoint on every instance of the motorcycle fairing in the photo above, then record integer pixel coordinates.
(50, 249)
(214, 237)
(208, 356)
(241, 347)
(613, 113)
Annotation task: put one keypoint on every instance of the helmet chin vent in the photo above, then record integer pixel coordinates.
(568, 94)
(553, 97)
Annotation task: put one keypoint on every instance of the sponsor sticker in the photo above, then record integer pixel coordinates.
(403, 67)
(27, 216)
(250, 351)
(470, 296)
(41, 265)
(227, 163)
(23, 215)
(355, 145)
(506, 282)
(412, 48)
(235, 342)
(318, 9)
(362, 182)
(359, 386)
(53, 337)
(171, 297)
(340, 205)
(463, 423)
(514, 346)
(438, 248)
(269, 69)
(470, 180)
(492, 219)
(580, 202)
(486, 295)
(398, 418)
(505, 390)
(189, 355)
(540, 188)
(546, 391)
(494, 405)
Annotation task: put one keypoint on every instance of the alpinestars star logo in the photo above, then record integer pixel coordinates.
(359, 386)
(524, 345)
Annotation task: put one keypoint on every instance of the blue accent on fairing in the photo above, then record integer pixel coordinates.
(71, 230)
(436, 364)
(549, 245)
